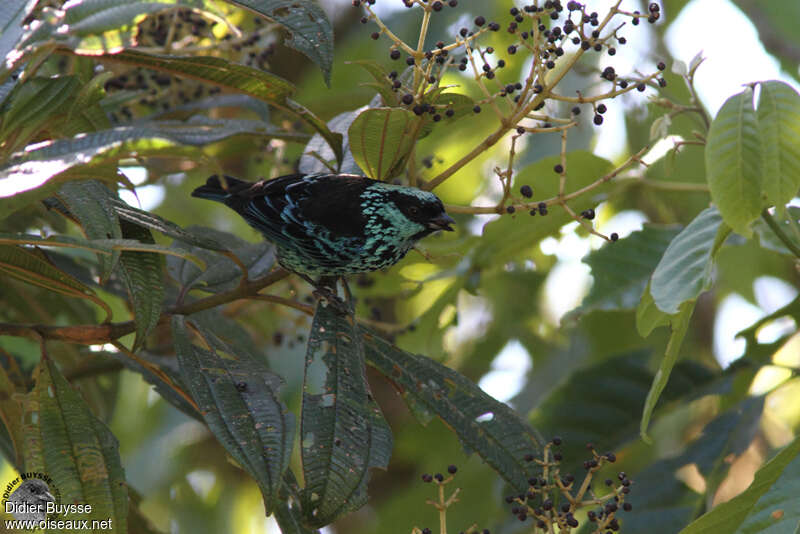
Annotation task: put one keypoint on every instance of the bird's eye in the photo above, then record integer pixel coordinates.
(413, 211)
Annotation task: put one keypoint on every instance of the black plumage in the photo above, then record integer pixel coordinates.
(332, 224)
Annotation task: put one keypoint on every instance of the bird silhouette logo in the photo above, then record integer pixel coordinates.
(29, 500)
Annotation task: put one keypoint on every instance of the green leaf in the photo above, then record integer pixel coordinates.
(381, 140)
(64, 440)
(142, 274)
(621, 270)
(779, 128)
(769, 504)
(12, 16)
(310, 31)
(238, 398)
(685, 268)
(343, 432)
(145, 219)
(318, 156)
(508, 236)
(733, 162)
(91, 202)
(31, 265)
(484, 425)
(222, 274)
(679, 324)
(662, 502)
(601, 403)
(789, 222)
(11, 409)
(35, 102)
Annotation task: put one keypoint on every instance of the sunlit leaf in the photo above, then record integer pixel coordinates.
(779, 128)
(733, 162)
(381, 140)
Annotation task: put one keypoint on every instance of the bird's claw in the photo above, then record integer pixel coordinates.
(335, 301)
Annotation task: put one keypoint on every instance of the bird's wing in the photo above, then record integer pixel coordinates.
(316, 214)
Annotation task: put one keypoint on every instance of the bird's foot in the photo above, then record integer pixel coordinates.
(335, 301)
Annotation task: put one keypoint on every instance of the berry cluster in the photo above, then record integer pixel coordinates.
(143, 91)
(553, 498)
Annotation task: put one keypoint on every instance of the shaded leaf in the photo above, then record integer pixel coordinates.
(310, 31)
(769, 504)
(484, 425)
(221, 273)
(621, 270)
(685, 268)
(31, 265)
(254, 82)
(343, 432)
(733, 162)
(605, 401)
(142, 274)
(663, 503)
(11, 411)
(67, 442)
(91, 203)
(779, 129)
(238, 398)
(381, 140)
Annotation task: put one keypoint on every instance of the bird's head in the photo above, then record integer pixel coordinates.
(411, 212)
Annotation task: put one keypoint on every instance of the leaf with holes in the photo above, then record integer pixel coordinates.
(238, 398)
(81, 455)
(343, 432)
(381, 140)
(310, 31)
(484, 425)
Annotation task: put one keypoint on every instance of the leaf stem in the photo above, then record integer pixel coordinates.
(776, 228)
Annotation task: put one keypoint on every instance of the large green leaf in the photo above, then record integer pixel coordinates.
(662, 502)
(11, 409)
(343, 432)
(684, 270)
(381, 140)
(621, 270)
(734, 162)
(779, 128)
(310, 31)
(91, 202)
(31, 265)
(238, 398)
(142, 273)
(484, 425)
(222, 274)
(601, 403)
(769, 504)
(34, 104)
(65, 441)
(318, 156)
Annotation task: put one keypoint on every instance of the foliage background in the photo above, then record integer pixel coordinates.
(591, 369)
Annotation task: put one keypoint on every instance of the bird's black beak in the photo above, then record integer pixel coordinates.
(442, 222)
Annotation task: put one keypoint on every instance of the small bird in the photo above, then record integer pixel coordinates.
(332, 225)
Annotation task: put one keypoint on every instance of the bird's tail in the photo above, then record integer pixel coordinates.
(214, 189)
